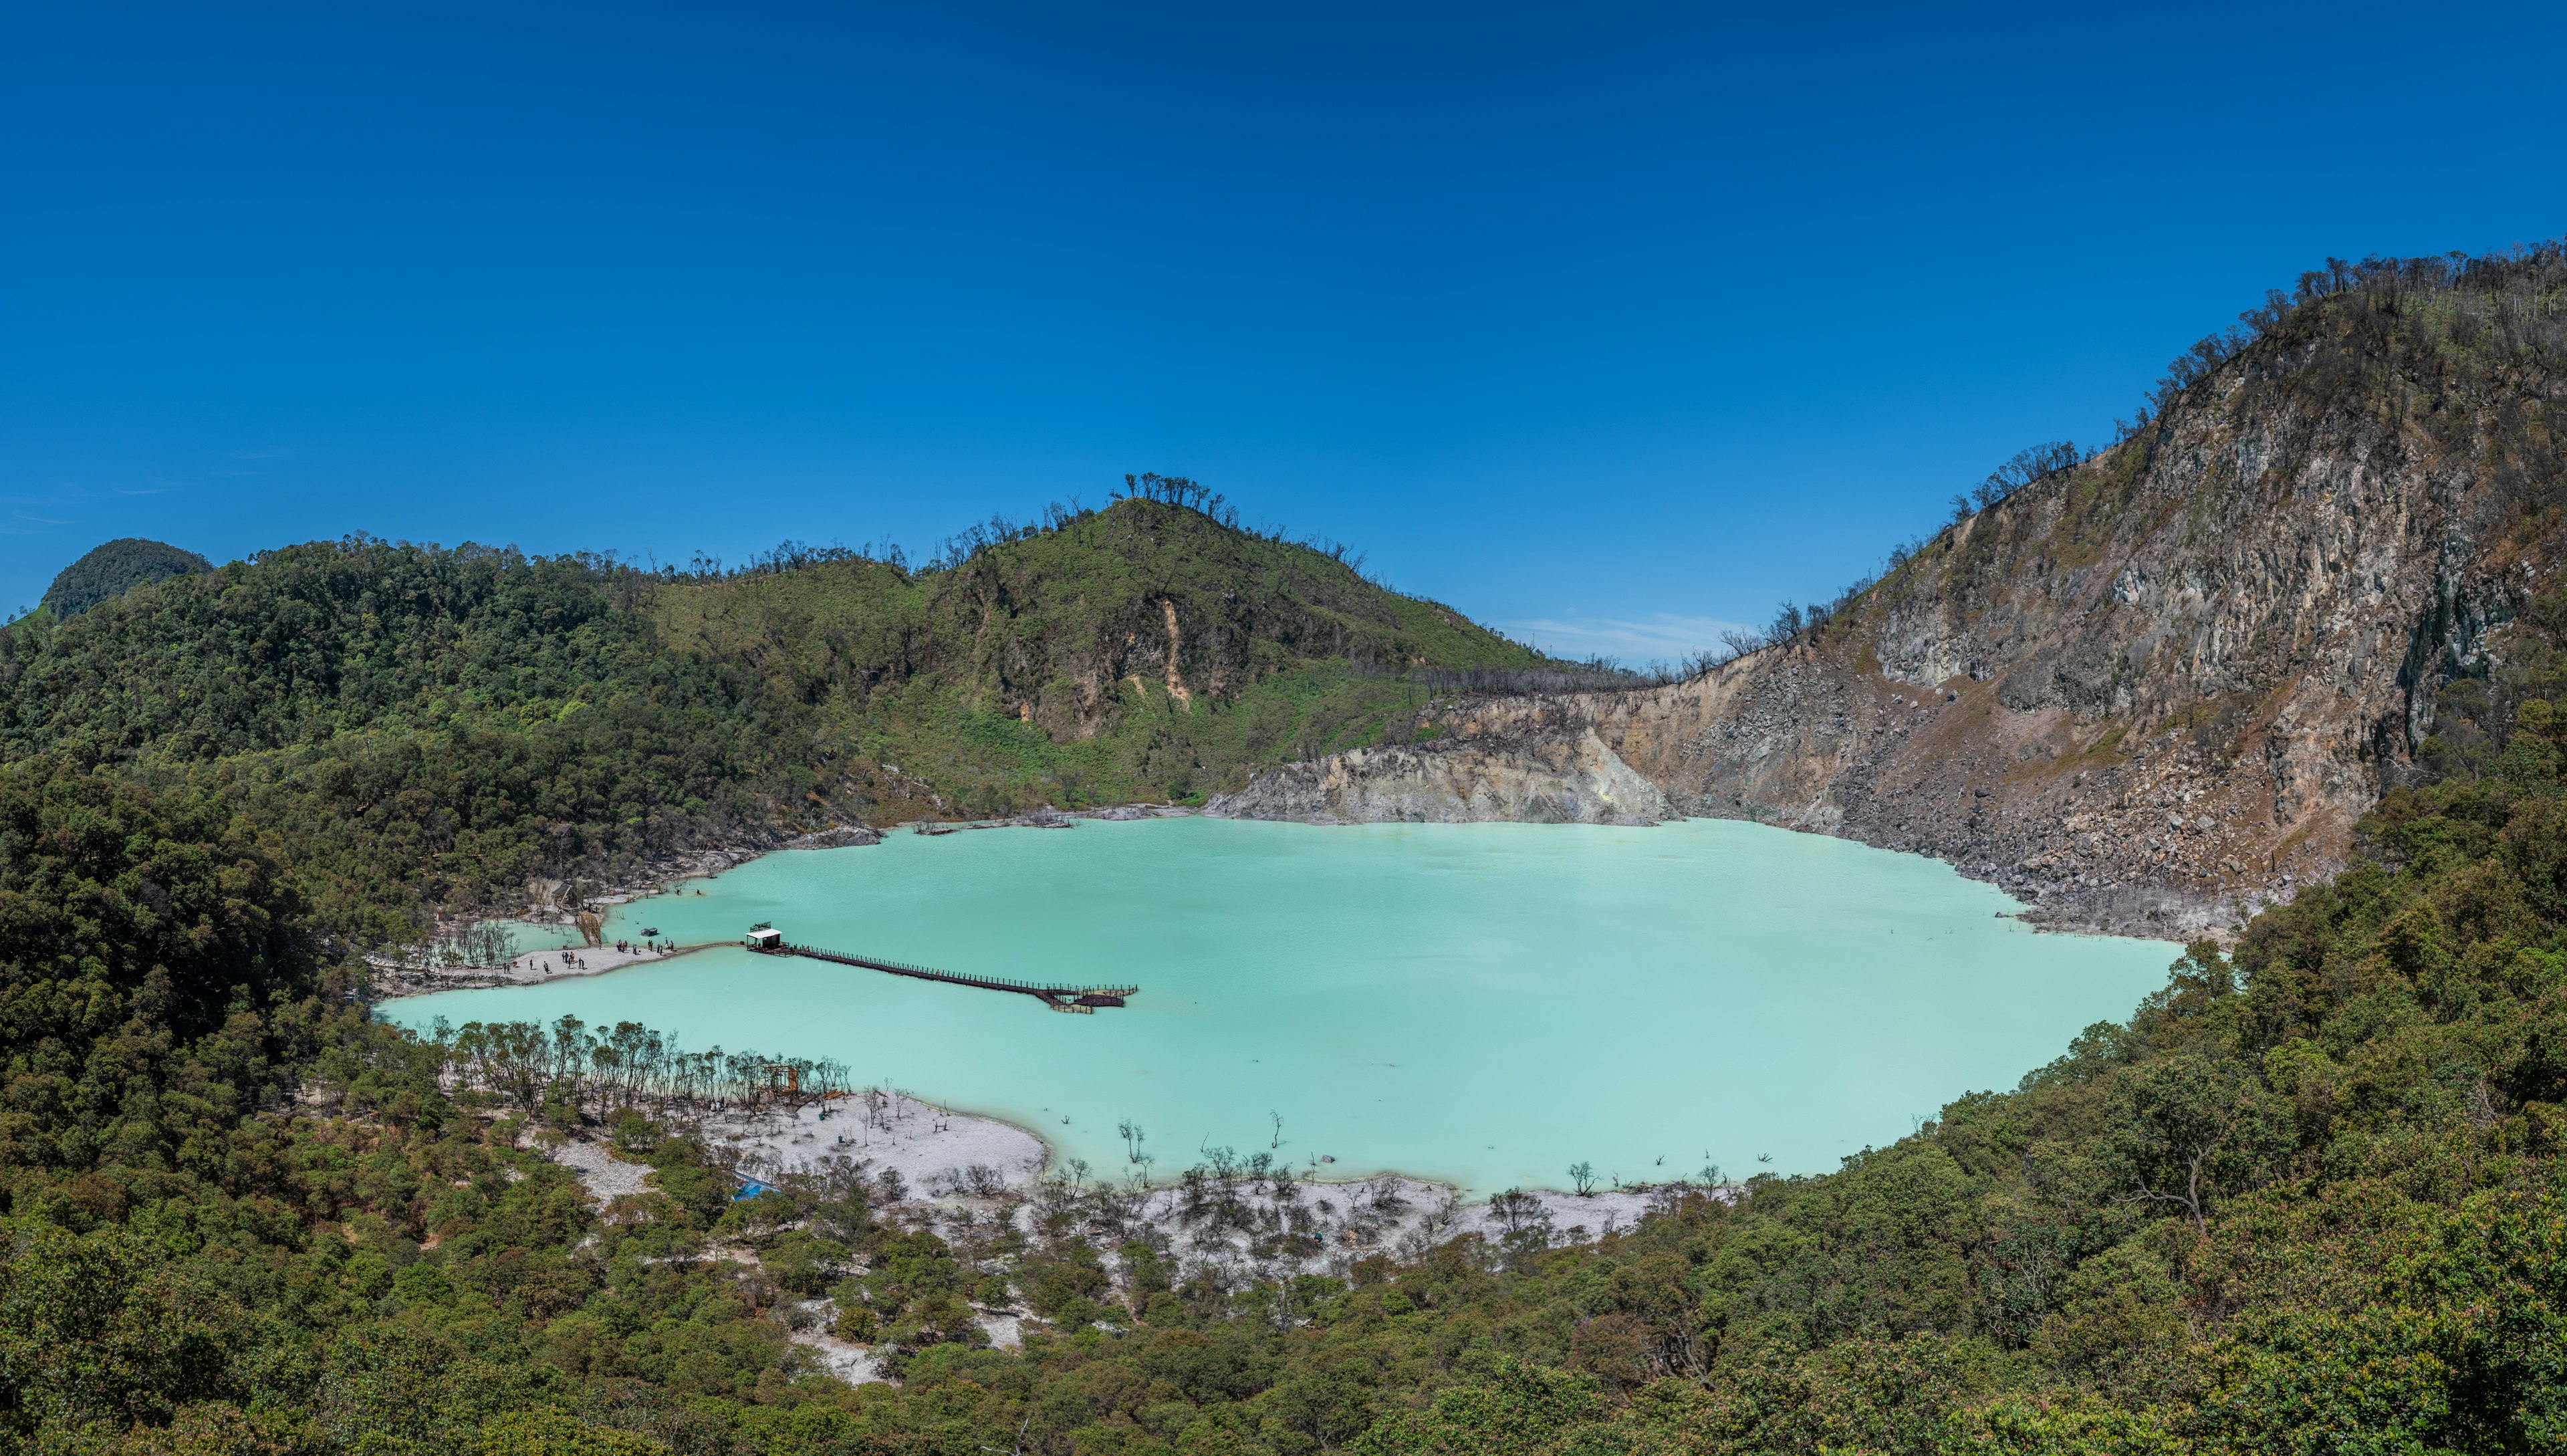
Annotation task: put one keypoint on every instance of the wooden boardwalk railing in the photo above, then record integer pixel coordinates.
(1080, 999)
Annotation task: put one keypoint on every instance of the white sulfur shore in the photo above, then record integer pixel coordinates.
(966, 1176)
(927, 1145)
(956, 1161)
(535, 966)
(395, 977)
(938, 1152)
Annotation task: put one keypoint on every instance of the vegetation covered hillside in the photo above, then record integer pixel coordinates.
(419, 727)
(1147, 651)
(115, 568)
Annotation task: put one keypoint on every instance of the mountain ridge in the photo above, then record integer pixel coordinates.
(2159, 685)
(460, 731)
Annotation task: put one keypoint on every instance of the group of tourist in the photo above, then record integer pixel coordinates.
(572, 961)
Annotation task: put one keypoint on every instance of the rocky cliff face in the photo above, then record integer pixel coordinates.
(2142, 693)
(1545, 767)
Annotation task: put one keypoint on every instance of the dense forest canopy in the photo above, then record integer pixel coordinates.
(424, 728)
(115, 568)
(2307, 1199)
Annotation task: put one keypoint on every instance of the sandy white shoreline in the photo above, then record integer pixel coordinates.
(968, 1177)
(535, 967)
(947, 1163)
(398, 980)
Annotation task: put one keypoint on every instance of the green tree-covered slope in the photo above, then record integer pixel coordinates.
(1144, 652)
(419, 727)
(115, 568)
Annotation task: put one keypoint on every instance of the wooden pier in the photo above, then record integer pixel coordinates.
(1076, 1000)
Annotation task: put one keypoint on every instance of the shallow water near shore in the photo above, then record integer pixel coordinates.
(1483, 1003)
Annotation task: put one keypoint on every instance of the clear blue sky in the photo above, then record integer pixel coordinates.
(1602, 322)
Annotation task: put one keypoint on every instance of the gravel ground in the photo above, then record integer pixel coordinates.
(930, 1146)
(608, 1177)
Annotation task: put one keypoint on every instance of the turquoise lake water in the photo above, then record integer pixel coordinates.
(1485, 1004)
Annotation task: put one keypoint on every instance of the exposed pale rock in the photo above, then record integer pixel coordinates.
(1535, 776)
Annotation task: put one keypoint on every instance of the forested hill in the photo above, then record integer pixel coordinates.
(419, 727)
(115, 568)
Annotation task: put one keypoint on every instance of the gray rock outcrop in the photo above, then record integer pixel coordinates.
(1541, 775)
